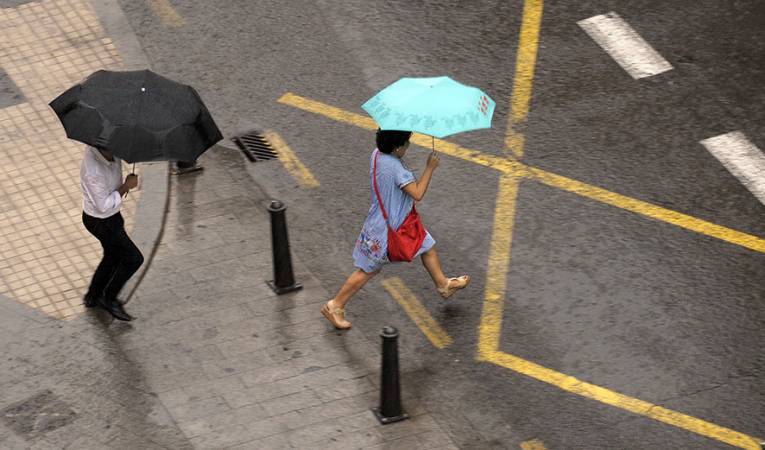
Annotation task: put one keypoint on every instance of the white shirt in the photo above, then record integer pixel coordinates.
(100, 179)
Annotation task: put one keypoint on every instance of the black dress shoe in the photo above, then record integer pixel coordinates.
(90, 301)
(114, 307)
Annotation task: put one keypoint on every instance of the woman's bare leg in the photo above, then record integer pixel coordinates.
(352, 285)
(433, 266)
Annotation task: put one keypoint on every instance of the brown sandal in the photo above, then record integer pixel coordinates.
(336, 316)
(453, 285)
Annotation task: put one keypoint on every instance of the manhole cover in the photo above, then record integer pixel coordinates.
(255, 146)
(39, 414)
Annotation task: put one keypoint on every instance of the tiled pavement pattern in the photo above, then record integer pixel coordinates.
(214, 360)
(46, 255)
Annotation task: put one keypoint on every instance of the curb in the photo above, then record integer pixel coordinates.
(155, 177)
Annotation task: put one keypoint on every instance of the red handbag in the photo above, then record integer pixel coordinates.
(406, 241)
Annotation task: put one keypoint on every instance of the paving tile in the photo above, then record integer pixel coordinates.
(352, 440)
(405, 443)
(307, 437)
(240, 364)
(216, 423)
(325, 411)
(345, 388)
(274, 442)
(413, 425)
(435, 440)
(291, 402)
(221, 439)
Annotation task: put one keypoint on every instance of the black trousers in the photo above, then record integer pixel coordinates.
(121, 257)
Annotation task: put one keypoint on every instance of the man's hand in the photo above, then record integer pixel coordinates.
(131, 181)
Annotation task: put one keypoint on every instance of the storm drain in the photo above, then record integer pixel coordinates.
(255, 146)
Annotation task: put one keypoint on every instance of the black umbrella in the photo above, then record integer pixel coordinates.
(137, 115)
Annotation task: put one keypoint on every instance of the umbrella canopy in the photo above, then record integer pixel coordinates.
(137, 115)
(436, 106)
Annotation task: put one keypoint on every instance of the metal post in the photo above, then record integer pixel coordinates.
(284, 280)
(390, 390)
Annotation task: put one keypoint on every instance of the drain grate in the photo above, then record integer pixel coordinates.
(255, 146)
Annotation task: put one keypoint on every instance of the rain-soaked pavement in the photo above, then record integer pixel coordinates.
(613, 293)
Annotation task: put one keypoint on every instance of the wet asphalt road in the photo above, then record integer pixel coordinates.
(619, 300)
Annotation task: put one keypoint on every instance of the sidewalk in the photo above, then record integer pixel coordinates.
(236, 364)
(46, 47)
(214, 360)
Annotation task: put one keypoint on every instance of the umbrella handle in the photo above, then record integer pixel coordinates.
(433, 143)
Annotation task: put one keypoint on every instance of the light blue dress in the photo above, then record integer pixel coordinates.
(371, 251)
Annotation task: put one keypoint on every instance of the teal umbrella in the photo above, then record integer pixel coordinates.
(436, 106)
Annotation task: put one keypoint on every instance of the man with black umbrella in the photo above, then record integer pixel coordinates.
(137, 116)
(102, 193)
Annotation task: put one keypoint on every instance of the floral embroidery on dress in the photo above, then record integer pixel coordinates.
(371, 247)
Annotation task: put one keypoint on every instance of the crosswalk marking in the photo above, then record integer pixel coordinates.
(742, 158)
(625, 45)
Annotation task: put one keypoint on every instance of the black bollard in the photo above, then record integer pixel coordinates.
(284, 280)
(390, 390)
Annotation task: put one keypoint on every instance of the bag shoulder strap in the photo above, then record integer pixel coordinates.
(377, 191)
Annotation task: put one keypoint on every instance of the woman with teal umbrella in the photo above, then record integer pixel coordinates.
(392, 230)
(397, 190)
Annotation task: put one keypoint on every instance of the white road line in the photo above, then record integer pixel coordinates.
(742, 158)
(625, 45)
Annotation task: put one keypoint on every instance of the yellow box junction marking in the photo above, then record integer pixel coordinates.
(417, 312)
(165, 11)
(498, 266)
(290, 160)
(491, 320)
(534, 444)
(489, 333)
(513, 172)
(524, 75)
(649, 210)
(634, 405)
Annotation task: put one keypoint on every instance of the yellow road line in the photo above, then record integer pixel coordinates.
(323, 109)
(517, 169)
(290, 160)
(165, 11)
(646, 209)
(340, 115)
(417, 312)
(609, 397)
(524, 74)
(499, 262)
(534, 444)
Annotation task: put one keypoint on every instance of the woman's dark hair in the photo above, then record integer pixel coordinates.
(389, 140)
